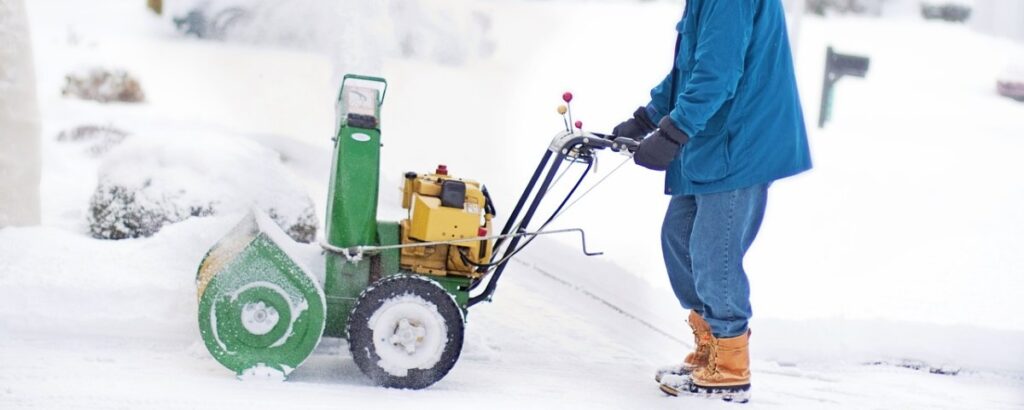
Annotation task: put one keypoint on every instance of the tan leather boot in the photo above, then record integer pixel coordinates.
(728, 363)
(698, 357)
(726, 375)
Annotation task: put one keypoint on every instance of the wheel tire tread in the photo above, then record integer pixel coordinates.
(360, 336)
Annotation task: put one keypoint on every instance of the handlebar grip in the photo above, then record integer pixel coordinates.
(630, 144)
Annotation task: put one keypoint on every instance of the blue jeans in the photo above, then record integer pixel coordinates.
(704, 239)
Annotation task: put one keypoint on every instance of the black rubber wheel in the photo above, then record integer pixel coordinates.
(405, 332)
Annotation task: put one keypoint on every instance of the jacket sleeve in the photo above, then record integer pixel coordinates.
(723, 34)
(660, 98)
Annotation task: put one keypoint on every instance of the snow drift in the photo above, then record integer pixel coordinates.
(148, 183)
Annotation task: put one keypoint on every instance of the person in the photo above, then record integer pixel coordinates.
(724, 124)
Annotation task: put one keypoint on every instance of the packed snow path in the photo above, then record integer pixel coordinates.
(544, 342)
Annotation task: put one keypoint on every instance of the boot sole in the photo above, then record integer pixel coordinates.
(735, 394)
(658, 376)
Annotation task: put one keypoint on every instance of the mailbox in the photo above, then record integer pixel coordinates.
(837, 66)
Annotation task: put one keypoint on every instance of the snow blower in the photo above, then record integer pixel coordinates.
(397, 291)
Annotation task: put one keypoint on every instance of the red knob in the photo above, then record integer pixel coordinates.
(481, 232)
(567, 96)
(441, 170)
(579, 124)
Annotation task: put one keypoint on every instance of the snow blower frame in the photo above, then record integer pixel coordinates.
(397, 291)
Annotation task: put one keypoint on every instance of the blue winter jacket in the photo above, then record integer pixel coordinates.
(736, 98)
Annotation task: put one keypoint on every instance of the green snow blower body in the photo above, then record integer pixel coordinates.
(262, 311)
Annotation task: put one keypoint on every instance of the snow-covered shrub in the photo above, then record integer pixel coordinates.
(957, 11)
(205, 23)
(147, 183)
(1011, 82)
(97, 139)
(103, 85)
(822, 7)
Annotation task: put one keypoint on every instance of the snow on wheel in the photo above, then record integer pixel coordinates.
(405, 332)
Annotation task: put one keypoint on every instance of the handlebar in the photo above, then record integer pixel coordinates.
(567, 140)
(629, 144)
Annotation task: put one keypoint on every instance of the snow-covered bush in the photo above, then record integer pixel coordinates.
(97, 139)
(957, 11)
(147, 183)
(1011, 82)
(103, 85)
(822, 7)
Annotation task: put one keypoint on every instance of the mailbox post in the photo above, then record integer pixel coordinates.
(836, 66)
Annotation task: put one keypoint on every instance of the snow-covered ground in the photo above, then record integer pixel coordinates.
(902, 247)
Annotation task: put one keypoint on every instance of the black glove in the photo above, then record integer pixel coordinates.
(637, 127)
(660, 148)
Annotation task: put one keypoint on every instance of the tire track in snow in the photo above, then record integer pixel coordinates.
(606, 302)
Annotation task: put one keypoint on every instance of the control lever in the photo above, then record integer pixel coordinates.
(624, 142)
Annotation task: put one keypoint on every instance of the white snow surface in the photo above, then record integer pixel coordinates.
(1014, 71)
(900, 248)
(262, 373)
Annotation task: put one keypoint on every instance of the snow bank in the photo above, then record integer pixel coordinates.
(53, 280)
(137, 287)
(149, 182)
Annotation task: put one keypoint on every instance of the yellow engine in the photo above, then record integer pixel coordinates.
(443, 208)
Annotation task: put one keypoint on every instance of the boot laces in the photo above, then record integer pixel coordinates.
(712, 366)
(700, 339)
(702, 344)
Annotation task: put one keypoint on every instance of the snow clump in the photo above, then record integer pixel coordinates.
(147, 183)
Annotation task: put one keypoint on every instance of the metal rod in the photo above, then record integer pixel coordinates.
(357, 251)
(510, 222)
(541, 191)
(597, 141)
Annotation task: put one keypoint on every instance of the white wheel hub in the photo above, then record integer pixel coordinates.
(408, 333)
(258, 318)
